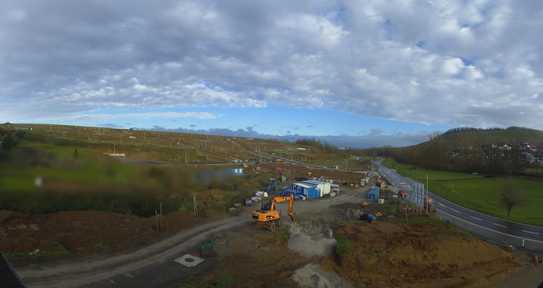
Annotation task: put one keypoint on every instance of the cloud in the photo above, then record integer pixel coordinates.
(475, 63)
(119, 116)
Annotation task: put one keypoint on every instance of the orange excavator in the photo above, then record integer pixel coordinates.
(270, 216)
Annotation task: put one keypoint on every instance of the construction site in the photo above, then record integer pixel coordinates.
(265, 222)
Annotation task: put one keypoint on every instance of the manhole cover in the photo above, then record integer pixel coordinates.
(188, 260)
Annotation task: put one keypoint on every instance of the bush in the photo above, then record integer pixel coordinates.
(344, 245)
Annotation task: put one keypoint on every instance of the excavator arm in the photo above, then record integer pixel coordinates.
(290, 200)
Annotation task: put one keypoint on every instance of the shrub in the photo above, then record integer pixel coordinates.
(344, 245)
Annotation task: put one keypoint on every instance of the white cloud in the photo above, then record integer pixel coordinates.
(452, 66)
(472, 73)
(452, 62)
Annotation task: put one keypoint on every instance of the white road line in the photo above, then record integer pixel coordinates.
(530, 232)
(492, 230)
(499, 225)
(456, 211)
(441, 204)
(476, 218)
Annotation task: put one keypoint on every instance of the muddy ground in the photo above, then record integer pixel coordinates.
(392, 252)
(31, 239)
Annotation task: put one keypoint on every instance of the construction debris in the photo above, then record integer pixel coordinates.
(311, 240)
(312, 276)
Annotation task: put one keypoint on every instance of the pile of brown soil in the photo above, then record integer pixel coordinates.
(83, 232)
(418, 255)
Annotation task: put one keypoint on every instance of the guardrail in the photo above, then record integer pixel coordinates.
(489, 234)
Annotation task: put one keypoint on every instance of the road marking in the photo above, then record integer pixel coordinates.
(129, 275)
(493, 230)
(441, 204)
(476, 218)
(456, 211)
(499, 225)
(530, 232)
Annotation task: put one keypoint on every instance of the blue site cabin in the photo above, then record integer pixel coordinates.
(306, 189)
(373, 194)
(302, 190)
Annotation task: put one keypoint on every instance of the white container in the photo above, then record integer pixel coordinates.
(381, 201)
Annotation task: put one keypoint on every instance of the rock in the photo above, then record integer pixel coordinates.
(312, 276)
(310, 245)
(21, 227)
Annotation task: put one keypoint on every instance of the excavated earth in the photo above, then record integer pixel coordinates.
(429, 254)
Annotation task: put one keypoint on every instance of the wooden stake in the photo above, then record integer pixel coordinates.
(195, 204)
(160, 217)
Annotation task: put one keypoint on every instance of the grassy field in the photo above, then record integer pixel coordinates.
(481, 193)
(78, 176)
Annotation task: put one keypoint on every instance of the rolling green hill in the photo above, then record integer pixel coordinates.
(512, 150)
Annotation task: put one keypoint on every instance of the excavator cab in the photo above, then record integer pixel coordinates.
(266, 205)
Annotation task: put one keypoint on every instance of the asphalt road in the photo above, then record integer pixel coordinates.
(480, 221)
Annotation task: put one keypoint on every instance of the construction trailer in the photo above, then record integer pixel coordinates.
(308, 189)
(323, 187)
(303, 191)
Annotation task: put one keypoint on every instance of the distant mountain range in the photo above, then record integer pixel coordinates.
(372, 139)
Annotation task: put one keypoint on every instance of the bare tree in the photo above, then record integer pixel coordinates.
(510, 197)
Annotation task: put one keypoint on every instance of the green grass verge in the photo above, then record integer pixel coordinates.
(480, 193)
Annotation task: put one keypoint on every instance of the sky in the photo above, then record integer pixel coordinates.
(323, 68)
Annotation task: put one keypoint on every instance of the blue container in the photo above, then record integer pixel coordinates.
(312, 193)
(373, 194)
(302, 191)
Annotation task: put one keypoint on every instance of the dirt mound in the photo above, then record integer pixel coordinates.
(82, 232)
(312, 276)
(251, 257)
(310, 245)
(420, 255)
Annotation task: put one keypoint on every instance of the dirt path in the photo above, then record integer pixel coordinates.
(79, 274)
(83, 273)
